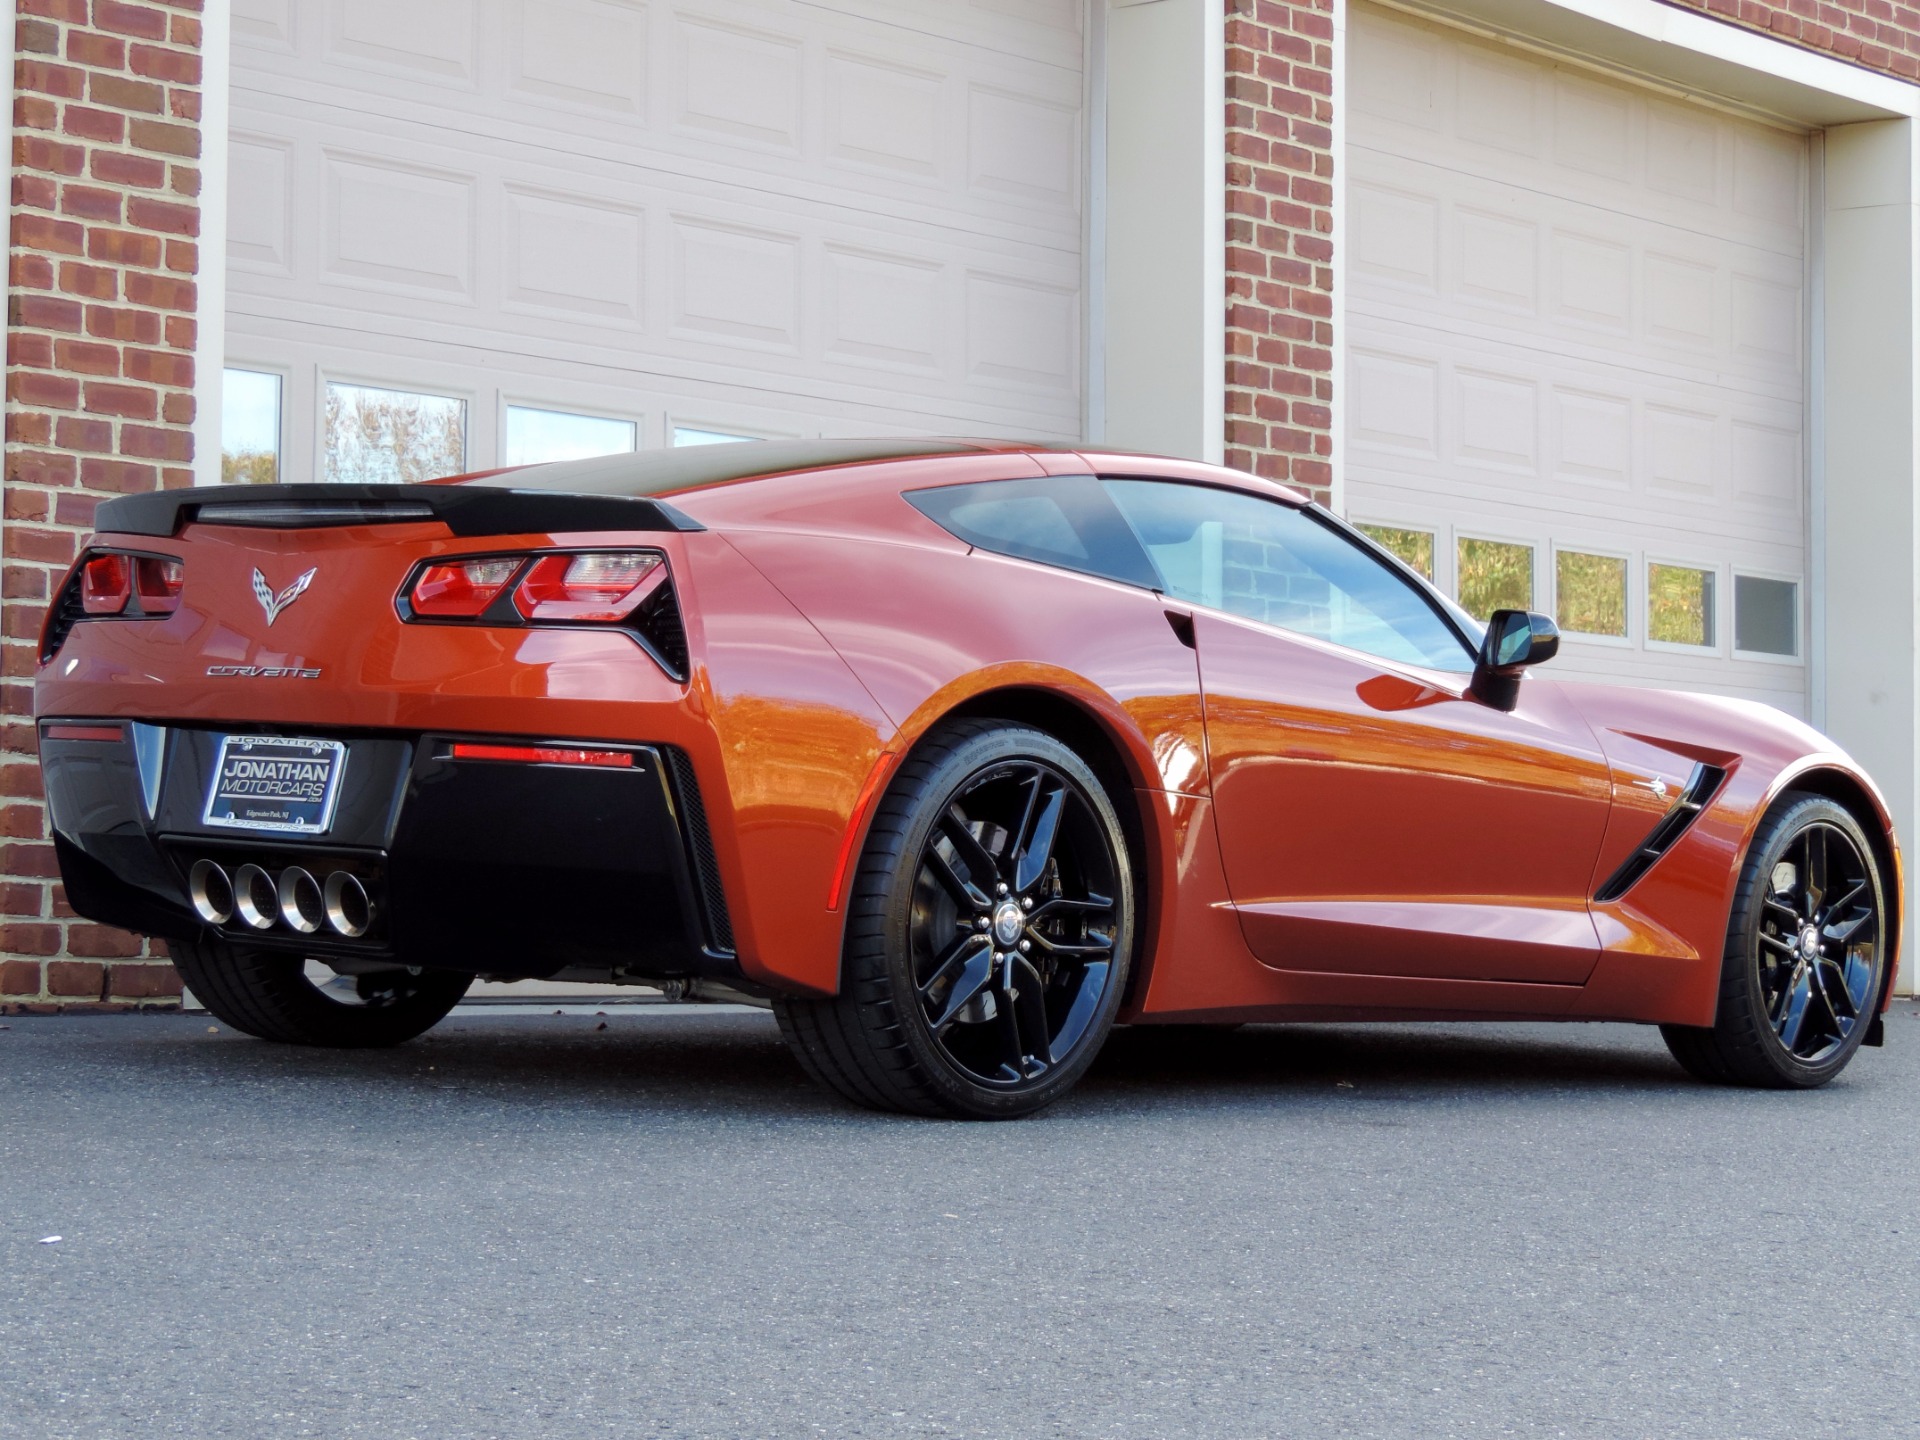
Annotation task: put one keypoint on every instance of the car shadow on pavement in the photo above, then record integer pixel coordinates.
(693, 1063)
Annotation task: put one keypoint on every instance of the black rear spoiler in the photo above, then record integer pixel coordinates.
(466, 510)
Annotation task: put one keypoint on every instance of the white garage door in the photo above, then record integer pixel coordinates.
(482, 231)
(1575, 356)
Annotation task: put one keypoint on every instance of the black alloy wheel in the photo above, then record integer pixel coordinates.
(990, 935)
(1806, 954)
(274, 996)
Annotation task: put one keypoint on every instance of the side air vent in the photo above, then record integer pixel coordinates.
(658, 622)
(67, 610)
(706, 871)
(1699, 789)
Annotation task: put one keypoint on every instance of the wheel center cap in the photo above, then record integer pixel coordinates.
(1008, 921)
(1809, 942)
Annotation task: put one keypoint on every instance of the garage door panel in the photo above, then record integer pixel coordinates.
(1576, 328)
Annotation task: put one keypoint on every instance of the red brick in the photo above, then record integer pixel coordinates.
(145, 21)
(141, 172)
(162, 292)
(75, 508)
(164, 137)
(181, 330)
(33, 859)
(120, 476)
(112, 322)
(35, 352)
(75, 432)
(97, 942)
(102, 126)
(154, 443)
(35, 112)
(41, 467)
(40, 152)
(164, 216)
(89, 202)
(38, 387)
(159, 367)
(74, 978)
(177, 407)
(35, 192)
(177, 67)
(43, 232)
(91, 282)
(85, 357)
(36, 37)
(96, 51)
(28, 427)
(183, 257)
(25, 938)
(72, 12)
(134, 402)
(43, 77)
(123, 247)
(20, 977)
(142, 97)
(185, 30)
(157, 980)
(51, 547)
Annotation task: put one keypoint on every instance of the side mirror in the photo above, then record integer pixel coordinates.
(1515, 640)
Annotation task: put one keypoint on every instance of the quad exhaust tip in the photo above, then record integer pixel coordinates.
(297, 899)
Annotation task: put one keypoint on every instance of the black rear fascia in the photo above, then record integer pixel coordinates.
(469, 511)
(1694, 795)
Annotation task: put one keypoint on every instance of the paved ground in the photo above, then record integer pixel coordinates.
(527, 1226)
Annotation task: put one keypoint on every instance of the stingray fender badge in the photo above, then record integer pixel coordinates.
(273, 604)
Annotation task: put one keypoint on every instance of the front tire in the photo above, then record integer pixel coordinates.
(989, 936)
(268, 994)
(1806, 955)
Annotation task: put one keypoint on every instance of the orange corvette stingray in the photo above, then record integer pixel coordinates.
(957, 753)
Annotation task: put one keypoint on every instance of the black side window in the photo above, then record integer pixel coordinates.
(1064, 520)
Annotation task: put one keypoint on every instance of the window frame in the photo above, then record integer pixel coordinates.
(1767, 657)
(283, 437)
(1722, 640)
(1627, 641)
(510, 402)
(472, 415)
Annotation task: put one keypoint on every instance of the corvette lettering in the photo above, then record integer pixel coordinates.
(263, 672)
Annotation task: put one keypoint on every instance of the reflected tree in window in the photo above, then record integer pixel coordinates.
(1413, 548)
(1494, 575)
(1591, 593)
(390, 437)
(1679, 605)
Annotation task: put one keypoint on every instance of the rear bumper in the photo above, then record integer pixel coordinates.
(495, 867)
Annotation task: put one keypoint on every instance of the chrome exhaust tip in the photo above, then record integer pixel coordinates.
(349, 908)
(302, 906)
(255, 896)
(211, 892)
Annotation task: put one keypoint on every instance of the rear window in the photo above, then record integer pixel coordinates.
(1064, 520)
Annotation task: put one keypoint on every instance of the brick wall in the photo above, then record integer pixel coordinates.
(1878, 34)
(100, 335)
(1280, 293)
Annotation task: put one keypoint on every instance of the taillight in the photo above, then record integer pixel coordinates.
(158, 583)
(106, 584)
(602, 587)
(461, 589)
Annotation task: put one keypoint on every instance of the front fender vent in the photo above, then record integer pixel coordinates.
(1699, 789)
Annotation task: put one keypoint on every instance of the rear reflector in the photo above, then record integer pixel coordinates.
(461, 590)
(603, 587)
(544, 755)
(58, 731)
(106, 584)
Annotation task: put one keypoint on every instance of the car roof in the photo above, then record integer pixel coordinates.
(693, 467)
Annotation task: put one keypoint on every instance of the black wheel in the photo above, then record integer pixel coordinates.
(270, 995)
(989, 936)
(1805, 957)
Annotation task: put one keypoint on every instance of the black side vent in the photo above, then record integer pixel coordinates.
(706, 872)
(658, 623)
(65, 612)
(1693, 799)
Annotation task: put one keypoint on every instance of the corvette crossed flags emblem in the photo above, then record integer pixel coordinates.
(273, 604)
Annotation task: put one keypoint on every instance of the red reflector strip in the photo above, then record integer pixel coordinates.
(85, 732)
(544, 755)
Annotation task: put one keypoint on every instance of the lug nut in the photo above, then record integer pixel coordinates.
(211, 891)
(301, 905)
(1025, 946)
(349, 910)
(255, 896)
(1000, 889)
(1026, 902)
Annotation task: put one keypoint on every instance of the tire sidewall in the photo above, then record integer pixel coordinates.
(1775, 836)
(926, 801)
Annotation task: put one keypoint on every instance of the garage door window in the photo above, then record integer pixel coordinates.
(1680, 605)
(688, 435)
(249, 427)
(537, 436)
(1413, 548)
(377, 436)
(1766, 616)
(1590, 593)
(1494, 575)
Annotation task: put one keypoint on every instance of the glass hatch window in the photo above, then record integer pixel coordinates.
(1064, 520)
(1286, 567)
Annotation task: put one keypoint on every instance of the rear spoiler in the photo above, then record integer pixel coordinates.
(466, 510)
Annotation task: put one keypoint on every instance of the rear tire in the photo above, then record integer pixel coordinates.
(267, 994)
(1805, 959)
(989, 936)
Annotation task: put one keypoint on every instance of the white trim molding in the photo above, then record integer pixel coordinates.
(210, 335)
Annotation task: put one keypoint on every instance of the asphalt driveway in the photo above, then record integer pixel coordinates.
(528, 1225)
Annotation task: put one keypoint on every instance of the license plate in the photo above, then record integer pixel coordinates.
(268, 782)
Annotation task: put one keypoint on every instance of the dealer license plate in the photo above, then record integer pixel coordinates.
(268, 782)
